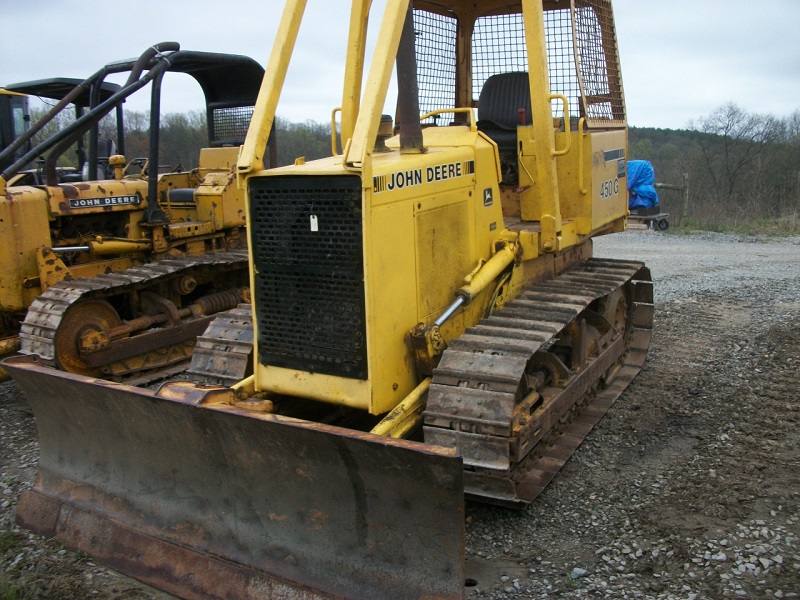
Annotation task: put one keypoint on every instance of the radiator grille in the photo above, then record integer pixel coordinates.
(309, 286)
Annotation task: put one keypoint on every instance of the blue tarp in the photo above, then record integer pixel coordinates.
(641, 177)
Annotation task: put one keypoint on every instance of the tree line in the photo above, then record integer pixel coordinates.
(741, 168)
(183, 135)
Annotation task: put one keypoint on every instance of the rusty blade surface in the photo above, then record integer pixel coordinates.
(211, 503)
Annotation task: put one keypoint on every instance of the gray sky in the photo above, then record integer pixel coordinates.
(681, 59)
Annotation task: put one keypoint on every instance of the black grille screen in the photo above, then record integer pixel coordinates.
(309, 292)
(230, 124)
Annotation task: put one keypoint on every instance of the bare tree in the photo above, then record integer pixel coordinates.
(735, 148)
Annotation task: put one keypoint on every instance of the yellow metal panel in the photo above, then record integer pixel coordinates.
(419, 235)
(181, 179)
(428, 220)
(456, 159)
(391, 304)
(428, 175)
(97, 197)
(327, 388)
(331, 165)
(218, 159)
(592, 180)
(451, 193)
(575, 196)
(608, 182)
(529, 244)
(5, 92)
(190, 229)
(569, 236)
(93, 269)
(441, 272)
(221, 201)
(24, 226)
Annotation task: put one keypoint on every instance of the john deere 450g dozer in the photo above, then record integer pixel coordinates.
(428, 322)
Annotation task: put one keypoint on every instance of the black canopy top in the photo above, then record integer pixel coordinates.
(56, 88)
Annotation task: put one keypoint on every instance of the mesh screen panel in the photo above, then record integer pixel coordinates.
(498, 46)
(309, 287)
(561, 60)
(599, 64)
(436, 61)
(230, 124)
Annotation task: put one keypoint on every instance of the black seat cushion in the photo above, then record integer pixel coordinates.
(502, 97)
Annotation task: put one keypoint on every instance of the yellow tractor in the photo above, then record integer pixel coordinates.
(427, 322)
(176, 233)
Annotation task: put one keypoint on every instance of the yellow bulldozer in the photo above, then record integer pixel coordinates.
(112, 268)
(427, 324)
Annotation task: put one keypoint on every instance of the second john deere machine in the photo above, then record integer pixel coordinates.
(69, 235)
(427, 321)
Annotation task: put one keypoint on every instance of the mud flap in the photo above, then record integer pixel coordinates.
(206, 502)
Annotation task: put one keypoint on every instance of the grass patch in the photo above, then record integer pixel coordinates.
(10, 591)
(784, 227)
(9, 479)
(8, 541)
(26, 586)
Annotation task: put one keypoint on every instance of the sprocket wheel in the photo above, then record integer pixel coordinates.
(81, 318)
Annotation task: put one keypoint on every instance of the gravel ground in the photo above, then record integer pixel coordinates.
(688, 488)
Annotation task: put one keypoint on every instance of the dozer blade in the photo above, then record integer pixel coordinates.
(206, 501)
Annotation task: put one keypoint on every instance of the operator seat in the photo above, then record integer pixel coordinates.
(502, 97)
